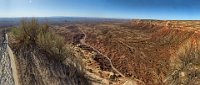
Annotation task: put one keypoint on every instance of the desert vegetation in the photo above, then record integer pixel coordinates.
(32, 35)
(185, 66)
(43, 57)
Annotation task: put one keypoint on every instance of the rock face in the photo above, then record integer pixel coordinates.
(6, 77)
(8, 73)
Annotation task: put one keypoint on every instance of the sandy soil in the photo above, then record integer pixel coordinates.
(13, 66)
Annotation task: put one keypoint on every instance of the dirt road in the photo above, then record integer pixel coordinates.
(130, 81)
(13, 66)
(82, 41)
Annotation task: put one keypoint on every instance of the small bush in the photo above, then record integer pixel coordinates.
(31, 35)
(36, 46)
(186, 70)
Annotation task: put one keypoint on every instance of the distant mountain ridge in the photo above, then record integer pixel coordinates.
(9, 22)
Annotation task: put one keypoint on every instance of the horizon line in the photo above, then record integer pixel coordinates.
(64, 17)
(95, 17)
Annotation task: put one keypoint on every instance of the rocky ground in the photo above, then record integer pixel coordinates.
(6, 75)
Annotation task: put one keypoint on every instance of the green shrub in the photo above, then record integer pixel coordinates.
(31, 35)
(33, 42)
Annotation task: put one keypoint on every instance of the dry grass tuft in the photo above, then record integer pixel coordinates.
(44, 58)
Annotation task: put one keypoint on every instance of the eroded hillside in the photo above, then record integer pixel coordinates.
(153, 51)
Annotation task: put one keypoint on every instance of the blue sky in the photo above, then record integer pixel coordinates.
(143, 9)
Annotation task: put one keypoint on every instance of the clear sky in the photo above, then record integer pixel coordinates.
(143, 9)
